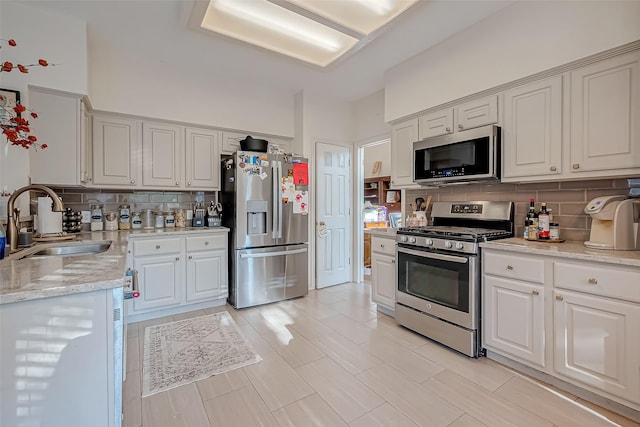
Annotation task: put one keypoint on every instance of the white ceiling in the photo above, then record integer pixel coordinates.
(159, 29)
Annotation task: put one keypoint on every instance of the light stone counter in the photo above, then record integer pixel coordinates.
(389, 233)
(24, 279)
(574, 250)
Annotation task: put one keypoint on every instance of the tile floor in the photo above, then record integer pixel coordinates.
(329, 359)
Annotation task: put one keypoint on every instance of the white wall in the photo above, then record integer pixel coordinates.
(57, 39)
(378, 152)
(368, 119)
(319, 120)
(522, 39)
(128, 83)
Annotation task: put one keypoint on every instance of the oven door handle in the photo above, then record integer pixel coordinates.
(443, 257)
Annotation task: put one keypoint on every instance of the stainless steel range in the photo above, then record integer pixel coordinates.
(438, 280)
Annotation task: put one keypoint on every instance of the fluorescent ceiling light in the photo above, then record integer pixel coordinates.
(363, 16)
(314, 31)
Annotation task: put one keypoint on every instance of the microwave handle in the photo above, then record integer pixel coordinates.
(442, 257)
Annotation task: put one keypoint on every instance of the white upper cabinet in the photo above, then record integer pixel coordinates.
(162, 148)
(116, 151)
(605, 107)
(435, 124)
(532, 131)
(202, 159)
(476, 113)
(231, 142)
(62, 125)
(403, 135)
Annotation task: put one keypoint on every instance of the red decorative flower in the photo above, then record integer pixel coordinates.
(15, 127)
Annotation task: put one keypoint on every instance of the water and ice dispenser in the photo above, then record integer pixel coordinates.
(257, 216)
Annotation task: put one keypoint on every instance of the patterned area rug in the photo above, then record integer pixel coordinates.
(181, 352)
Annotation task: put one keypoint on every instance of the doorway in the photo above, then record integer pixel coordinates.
(375, 199)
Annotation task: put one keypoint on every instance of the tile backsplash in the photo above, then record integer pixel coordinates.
(567, 200)
(80, 199)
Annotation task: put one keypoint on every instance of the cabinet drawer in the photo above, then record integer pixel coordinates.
(156, 246)
(381, 245)
(598, 279)
(527, 268)
(208, 242)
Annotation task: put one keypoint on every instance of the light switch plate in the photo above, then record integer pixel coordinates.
(86, 217)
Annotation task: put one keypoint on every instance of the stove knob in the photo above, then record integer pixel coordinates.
(403, 239)
(459, 245)
(448, 244)
(412, 239)
(429, 242)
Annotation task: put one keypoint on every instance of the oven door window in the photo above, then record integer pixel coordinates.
(441, 281)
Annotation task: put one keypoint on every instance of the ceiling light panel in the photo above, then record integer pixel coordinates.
(272, 27)
(362, 16)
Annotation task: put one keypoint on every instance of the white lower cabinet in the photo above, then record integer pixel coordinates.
(158, 280)
(207, 276)
(576, 320)
(514, 318)
(383, 273)
(178, 273)
(597, 342)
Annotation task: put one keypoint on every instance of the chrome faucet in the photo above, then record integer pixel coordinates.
(12, 225)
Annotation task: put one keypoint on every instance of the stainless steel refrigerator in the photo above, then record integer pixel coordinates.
(265, 201)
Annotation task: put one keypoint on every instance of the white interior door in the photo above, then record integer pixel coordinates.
(333, 218)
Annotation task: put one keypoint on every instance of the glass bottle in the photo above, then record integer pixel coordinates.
(124, 219)
(96, 218)
(543, 223)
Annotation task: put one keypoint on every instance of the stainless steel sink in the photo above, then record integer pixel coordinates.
(75, 248)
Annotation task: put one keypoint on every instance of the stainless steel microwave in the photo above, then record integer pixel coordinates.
(470, 155)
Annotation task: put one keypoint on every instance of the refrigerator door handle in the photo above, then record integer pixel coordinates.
(279, 198)
(272, 254)
(276, 204)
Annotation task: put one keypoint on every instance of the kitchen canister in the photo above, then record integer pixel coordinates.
(111, 221)
(147, 219)
(180, 218)
(96, 218)
(124, 218)
(159, 221)
(136, 221)
(169, 219)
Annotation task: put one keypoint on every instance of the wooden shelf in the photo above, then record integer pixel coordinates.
(375, 191)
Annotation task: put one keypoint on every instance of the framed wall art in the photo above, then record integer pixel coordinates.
(9, 100)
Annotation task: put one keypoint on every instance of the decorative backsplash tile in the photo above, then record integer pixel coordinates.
(567, 200)
(80, 199)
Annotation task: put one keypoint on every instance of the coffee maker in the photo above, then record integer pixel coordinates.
(614, 223)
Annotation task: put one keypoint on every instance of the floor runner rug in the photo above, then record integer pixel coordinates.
(184, 351)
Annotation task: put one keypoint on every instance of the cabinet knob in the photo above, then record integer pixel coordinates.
(448, 129)
(177, 183)
(190, 256)
(157, 246)
(553, 168)
(535, 292)
(593, 281)
(206, 243)
(177, 258)
(133, 181)
(576, 165)
(509, 267)
(382, 246)
(559, 297)
(189, 183)
(460, 126)
(393, 261)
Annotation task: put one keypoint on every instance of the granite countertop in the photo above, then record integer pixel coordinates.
(23, 279)
(573, 250)
(389, 233)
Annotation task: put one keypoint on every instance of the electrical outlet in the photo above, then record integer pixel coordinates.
(86, 217)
